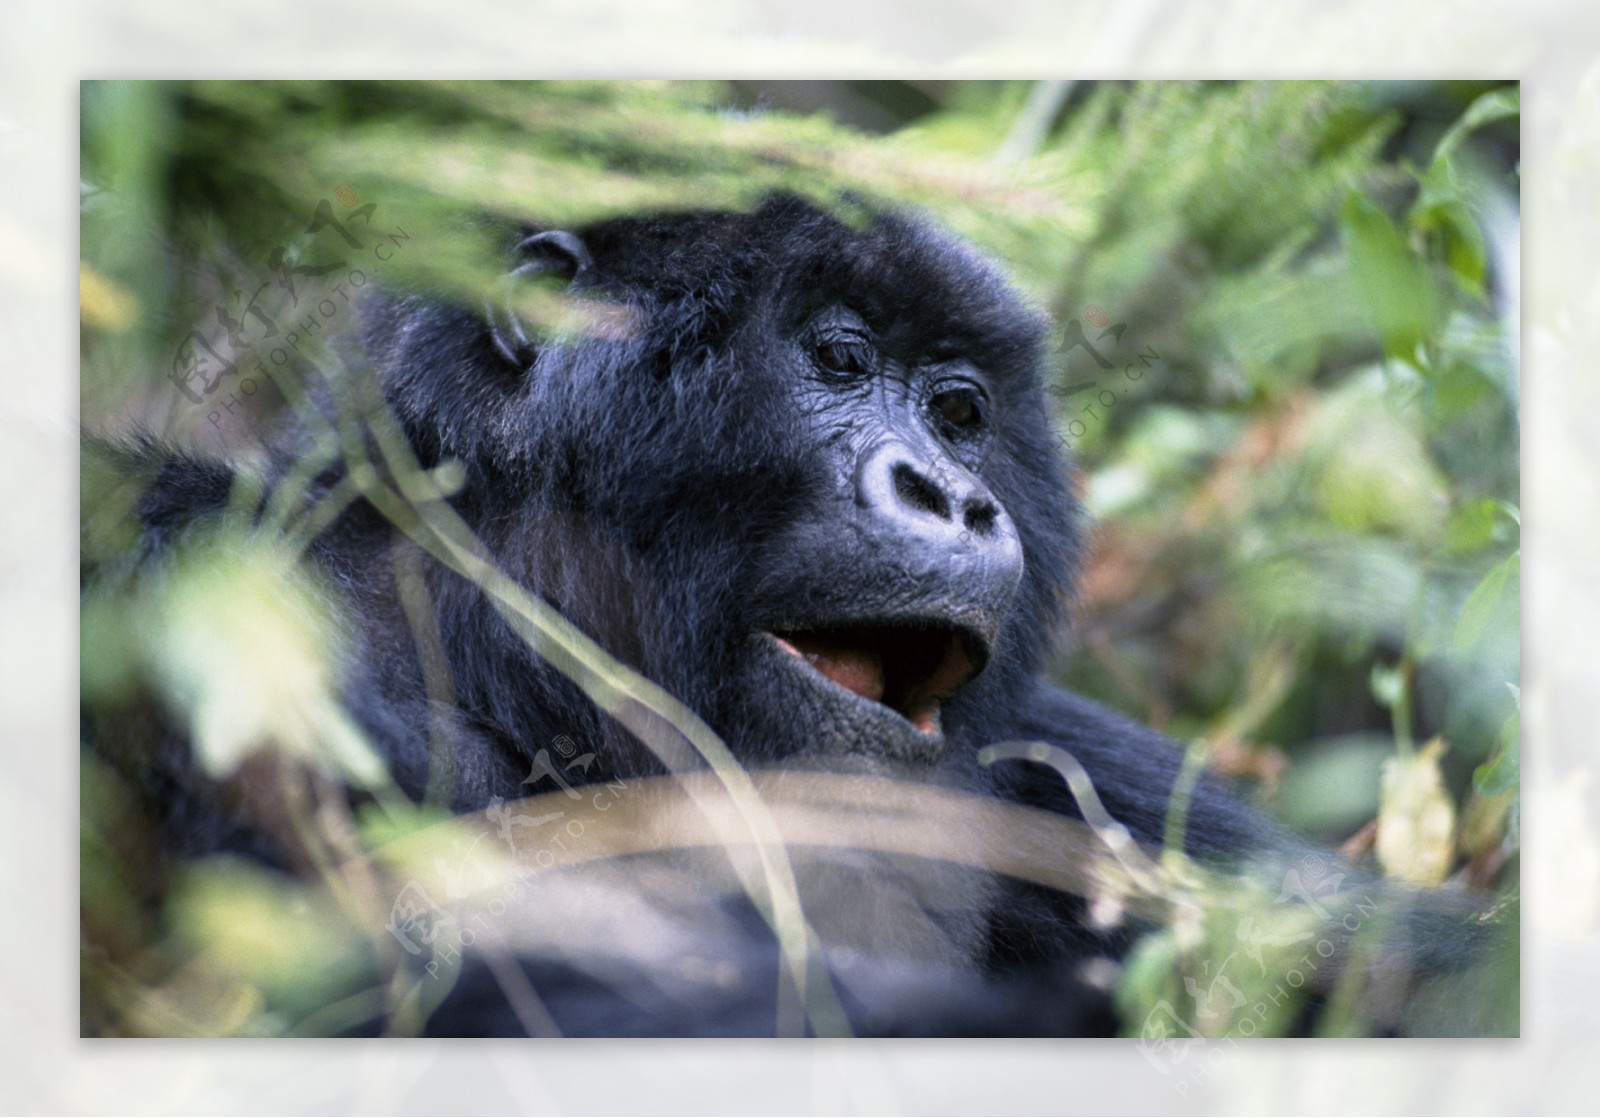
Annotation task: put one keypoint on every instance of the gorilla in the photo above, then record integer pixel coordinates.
(800, 473)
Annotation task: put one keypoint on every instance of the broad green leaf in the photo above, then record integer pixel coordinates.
(1504, 771)
(1456, 389)
(1391, 281)
(1149, 980)
(1380, 478)
(1471, 526)
(260, 929)
(1480, 606)
(1464, 248)
(1441, 205)
(1499, 104)
(246, 650)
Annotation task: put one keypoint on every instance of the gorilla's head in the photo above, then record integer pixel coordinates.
(799, 473)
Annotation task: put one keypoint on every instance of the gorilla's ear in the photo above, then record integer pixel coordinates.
(552, 254)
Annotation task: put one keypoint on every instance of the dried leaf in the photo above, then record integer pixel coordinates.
(1416, 818)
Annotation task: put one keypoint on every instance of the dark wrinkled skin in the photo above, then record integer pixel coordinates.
(801, 426)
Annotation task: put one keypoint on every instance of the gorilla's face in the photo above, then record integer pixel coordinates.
(818, 494)
(885, 594)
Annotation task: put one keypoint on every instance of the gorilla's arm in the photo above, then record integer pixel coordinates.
(1035, 984)
(1134, 771)
(879, 998)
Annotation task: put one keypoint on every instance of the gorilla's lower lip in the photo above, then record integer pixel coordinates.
(911, 669)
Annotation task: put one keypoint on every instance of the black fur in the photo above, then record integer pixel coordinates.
(693, 475)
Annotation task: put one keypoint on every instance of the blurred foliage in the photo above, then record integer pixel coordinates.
(1287, 370)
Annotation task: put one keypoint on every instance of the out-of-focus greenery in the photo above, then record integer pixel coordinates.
(1287, 369)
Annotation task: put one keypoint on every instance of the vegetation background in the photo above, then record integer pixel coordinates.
(1294, 407)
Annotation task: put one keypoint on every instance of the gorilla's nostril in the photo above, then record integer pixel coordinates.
(980, 517)
(919, 493)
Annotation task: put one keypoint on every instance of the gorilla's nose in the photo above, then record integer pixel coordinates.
(935, 501)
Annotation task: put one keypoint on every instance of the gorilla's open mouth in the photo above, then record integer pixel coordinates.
(911, 670)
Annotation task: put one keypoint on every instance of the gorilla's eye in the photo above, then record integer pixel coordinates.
(844, 354)
(960, 406)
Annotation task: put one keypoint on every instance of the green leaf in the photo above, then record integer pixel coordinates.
(1504, 772)
(1456, 390)
(1391, 281)
(1465, 252)
(1149, 980)
(1441, 206)
(1471, 526)
(1480, 606)
(1500, 104)
(245, 647)
(1379, 477)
